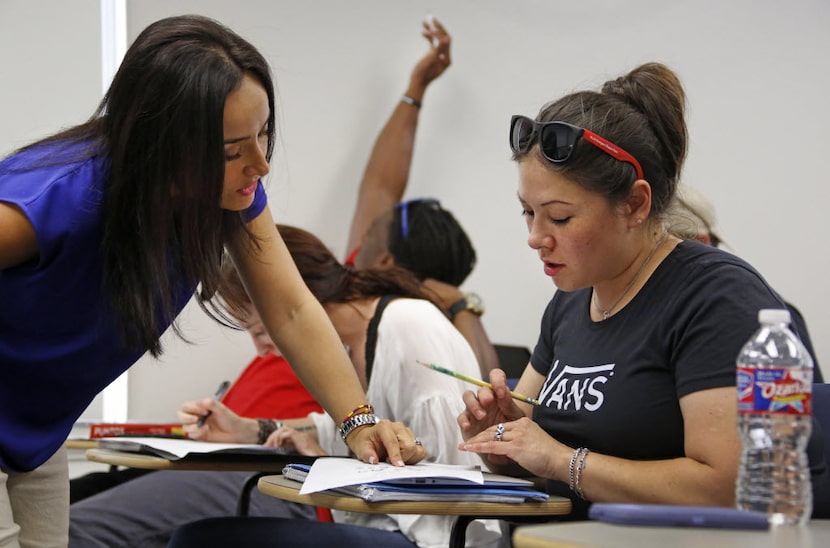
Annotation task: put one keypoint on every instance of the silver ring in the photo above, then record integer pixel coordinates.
(418, 442)
(499, 431)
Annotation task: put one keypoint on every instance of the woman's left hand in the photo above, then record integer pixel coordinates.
(523, 442)
(300, 442)
(387, 440)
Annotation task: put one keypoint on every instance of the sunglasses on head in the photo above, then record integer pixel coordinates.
(404, 209)
(558, 139)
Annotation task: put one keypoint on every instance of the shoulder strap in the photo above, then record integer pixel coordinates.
(372, 333)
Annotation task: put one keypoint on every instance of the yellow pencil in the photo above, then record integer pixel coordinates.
(477, 382)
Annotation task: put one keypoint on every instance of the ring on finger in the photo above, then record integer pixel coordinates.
(418, 442)
(499, 431)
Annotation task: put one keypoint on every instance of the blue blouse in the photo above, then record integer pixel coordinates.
(59, 340)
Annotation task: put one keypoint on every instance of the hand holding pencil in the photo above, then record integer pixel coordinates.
(220, 393)
(477, 382)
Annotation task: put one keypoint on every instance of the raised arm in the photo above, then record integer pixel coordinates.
(387, 172)
(468, 323)
(300, 328)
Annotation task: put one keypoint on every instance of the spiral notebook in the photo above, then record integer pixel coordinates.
(494, 488)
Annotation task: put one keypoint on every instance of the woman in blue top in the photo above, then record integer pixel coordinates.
(107, 229)
(635, 363)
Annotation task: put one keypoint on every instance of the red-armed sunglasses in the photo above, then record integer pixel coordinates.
(557, 140)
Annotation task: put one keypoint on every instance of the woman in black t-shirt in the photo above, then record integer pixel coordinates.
(635, 364)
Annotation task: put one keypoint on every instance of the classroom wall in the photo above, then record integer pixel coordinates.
(754, 72)
(50, 72)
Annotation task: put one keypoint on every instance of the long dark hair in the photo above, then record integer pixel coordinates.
(331, 282)
(160, 126)
(328, 280)
(642, 112)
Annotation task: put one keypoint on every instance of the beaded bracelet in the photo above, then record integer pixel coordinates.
(414, 102)
(266, 428)
(363, 419)
(365, 409)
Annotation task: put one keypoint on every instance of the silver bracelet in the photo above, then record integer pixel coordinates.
(266, 428)
(578, 476)
(572, 469)
(414, 102)
(364, 419)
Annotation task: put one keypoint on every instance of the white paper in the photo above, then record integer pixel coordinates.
(178, 447)
(332, 472)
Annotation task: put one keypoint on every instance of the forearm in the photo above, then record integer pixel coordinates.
(295, 320)
(466, 322)
(470, 325)
(263, 428)
(317, 356)
(675, 481)
(391, 157)
(387, 172)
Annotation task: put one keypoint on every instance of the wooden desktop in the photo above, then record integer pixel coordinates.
(467, 511)
(595, 534)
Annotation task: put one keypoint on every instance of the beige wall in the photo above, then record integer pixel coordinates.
(754, 71)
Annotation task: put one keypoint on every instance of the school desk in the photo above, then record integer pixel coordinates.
(466, 511)
(261, 464)
(595, 534)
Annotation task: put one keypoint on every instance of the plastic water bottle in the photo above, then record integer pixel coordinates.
(774, 380)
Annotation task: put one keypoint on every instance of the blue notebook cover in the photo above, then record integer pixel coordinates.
(500, 488)
(666, 515)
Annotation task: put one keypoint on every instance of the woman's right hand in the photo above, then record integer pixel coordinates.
(436, 60)
(221, 424)
(488, 406)
(301, 442)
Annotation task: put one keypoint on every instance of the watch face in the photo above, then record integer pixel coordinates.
(475, 303)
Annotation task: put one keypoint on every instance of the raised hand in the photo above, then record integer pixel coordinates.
(436, 60)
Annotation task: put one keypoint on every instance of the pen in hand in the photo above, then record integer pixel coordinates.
(218, 396)
(477, 382)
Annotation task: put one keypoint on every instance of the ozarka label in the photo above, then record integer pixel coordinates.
(780, 390)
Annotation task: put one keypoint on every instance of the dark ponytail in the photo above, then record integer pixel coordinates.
(332, 282)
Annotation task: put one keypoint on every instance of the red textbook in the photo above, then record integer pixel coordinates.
(109, 429)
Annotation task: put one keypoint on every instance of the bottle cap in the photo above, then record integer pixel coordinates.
(774, 315)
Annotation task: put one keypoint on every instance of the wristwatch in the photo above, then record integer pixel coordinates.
(470, 302)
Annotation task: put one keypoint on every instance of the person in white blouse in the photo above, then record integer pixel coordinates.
(387, 323)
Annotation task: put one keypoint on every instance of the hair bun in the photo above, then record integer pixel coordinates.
(655, 91)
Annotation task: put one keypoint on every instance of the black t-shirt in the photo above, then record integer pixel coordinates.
(614, 386)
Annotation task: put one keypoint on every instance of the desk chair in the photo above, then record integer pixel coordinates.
(513, 360)
(821, 412)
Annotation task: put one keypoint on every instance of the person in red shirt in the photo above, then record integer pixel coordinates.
(135, 507)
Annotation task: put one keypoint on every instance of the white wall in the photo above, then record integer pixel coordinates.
(50, 72)
(754, 70)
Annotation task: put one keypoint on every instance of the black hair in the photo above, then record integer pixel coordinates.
(160, 126)
(641, 112)
(435, 245)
